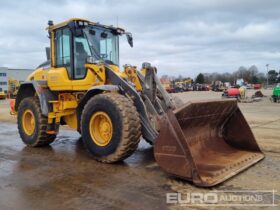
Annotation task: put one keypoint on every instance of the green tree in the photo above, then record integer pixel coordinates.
(253, 71)
(200, 78)
(255, 80)
(272, 76)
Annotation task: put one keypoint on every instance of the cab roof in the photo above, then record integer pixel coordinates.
(65, 23)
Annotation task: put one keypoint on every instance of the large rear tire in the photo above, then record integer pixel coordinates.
(111, 128)
(32, 125)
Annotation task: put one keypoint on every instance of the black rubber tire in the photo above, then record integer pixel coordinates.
(40, 137)
(126, 127)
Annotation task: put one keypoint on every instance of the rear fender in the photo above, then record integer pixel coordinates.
(32, 88)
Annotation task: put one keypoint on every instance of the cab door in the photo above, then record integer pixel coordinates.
(60, 75)
(82, 77)
(69, 72)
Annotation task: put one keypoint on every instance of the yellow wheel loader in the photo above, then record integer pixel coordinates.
(82, 86)
(2, 94)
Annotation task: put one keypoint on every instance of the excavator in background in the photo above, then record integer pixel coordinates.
(81, 85)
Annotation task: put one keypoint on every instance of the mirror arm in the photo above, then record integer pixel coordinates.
(129, 38)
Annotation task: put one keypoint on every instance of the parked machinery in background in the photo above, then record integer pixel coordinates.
(183, 85)
(276, 93)
(218, 86)
(13, 87)
(235, 92)
(205, 87)
(167, 84)
(179, 87)
(2, 94)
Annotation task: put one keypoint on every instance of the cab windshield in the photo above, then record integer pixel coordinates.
(103, 44)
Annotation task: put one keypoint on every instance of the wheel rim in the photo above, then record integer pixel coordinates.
(101, 128)
(28, 122)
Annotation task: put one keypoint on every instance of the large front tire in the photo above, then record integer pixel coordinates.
(32, 125)
(110, 126)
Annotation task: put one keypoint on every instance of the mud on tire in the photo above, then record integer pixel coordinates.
(125, 122)
(39, 136)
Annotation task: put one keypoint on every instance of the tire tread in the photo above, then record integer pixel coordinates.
(131, 131)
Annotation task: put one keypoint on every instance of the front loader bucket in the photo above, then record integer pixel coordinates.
(206, 142)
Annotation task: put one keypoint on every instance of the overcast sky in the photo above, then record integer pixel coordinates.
(179, 37)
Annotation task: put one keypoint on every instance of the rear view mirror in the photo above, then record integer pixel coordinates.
(129, 38)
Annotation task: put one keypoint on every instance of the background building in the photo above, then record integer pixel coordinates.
(15, 74)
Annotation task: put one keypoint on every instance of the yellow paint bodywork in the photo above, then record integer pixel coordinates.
(52, 49)
(115, 68)
(71, 120)
(98, 71)
(143, 71)
(2, 95)
(58, 80)
(38, 74)
(60, 25)
(64, 107)
(130, 72)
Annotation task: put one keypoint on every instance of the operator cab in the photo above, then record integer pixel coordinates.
(77, 42)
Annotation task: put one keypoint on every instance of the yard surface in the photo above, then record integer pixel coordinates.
(64, 176)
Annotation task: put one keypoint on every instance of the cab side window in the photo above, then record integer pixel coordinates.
(62, 49)
(81, 52)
